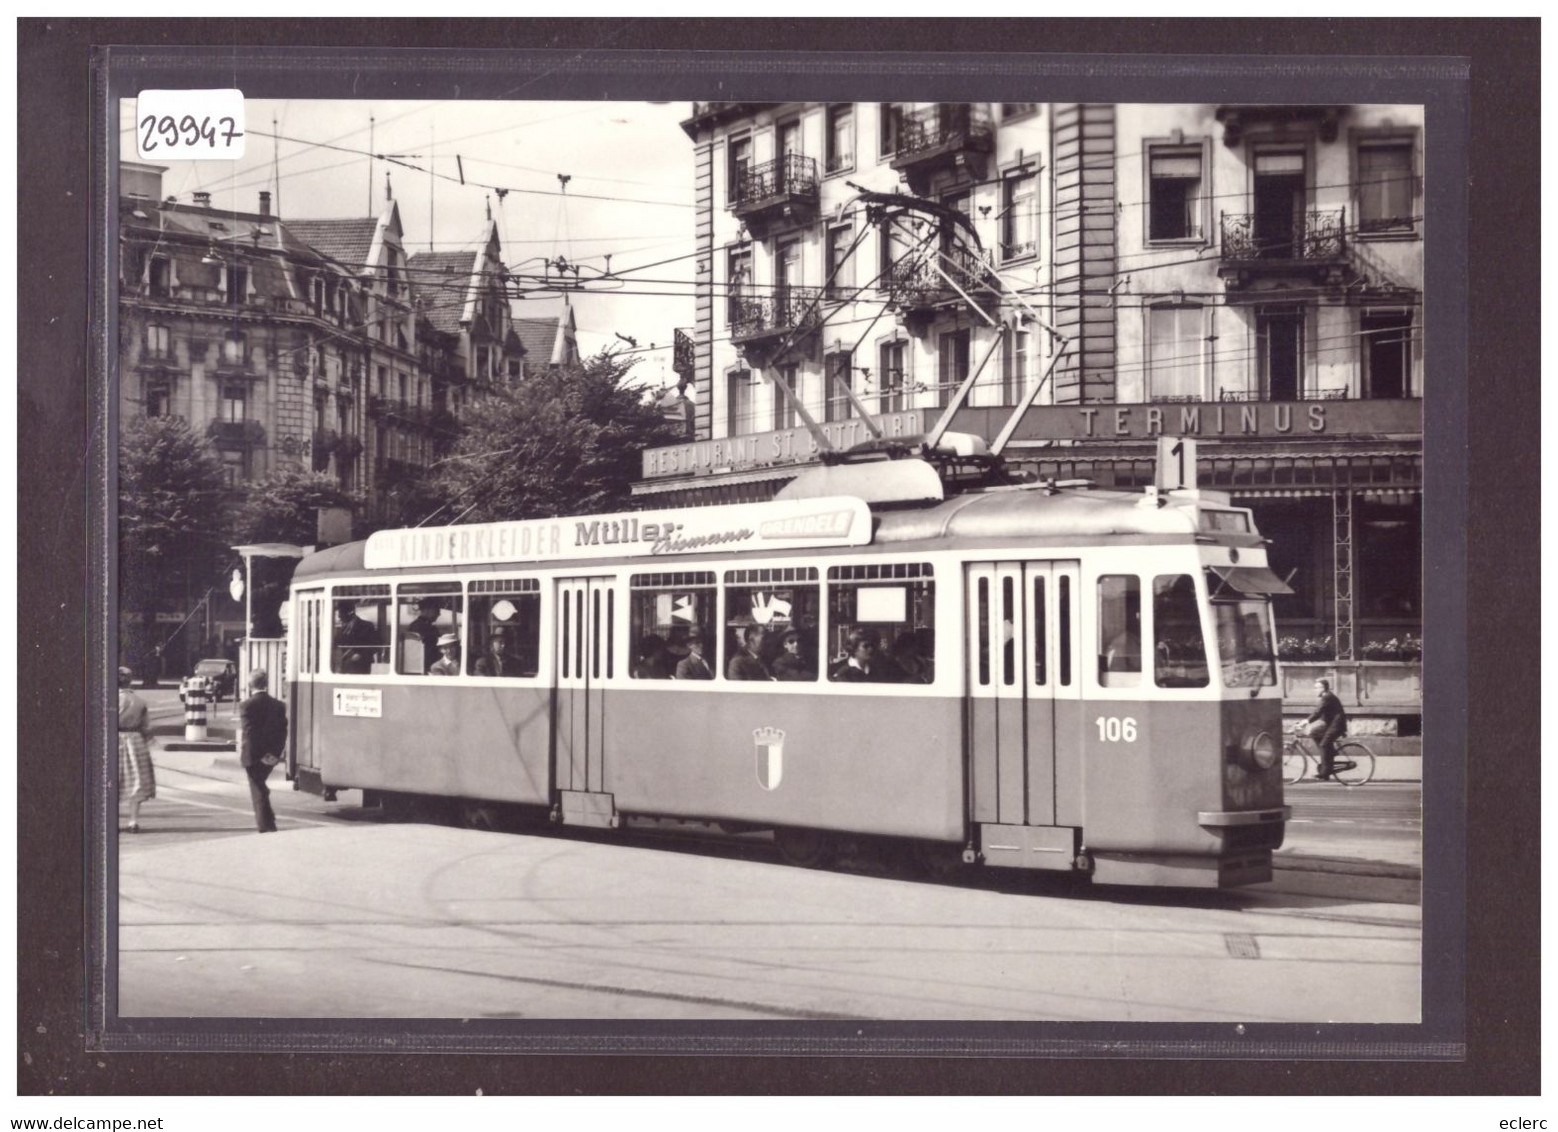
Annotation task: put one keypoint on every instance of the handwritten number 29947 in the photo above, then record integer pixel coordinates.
(187, 130)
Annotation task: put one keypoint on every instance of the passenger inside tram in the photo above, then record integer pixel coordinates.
(654, 659)
(693, 666)
(358, 645)
(747, 663)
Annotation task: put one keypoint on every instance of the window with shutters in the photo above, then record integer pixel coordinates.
(1019, 216)
(1385, 184)
(1176, 352)
(952, 364)
(838, 368)
(158, 343)
(785, 415)
(892, 376)
(841, 138)
(1176, 200)
(738, 402)
(841, 265)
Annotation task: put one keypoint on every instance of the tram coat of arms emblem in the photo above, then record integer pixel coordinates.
(770, 756)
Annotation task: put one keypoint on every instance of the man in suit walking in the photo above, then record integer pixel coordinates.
(262, 736)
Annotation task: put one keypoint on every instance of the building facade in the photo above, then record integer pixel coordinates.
(309, 343)
(1250, 277)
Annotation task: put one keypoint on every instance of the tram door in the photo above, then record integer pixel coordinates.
(306, 695)
(1021, 669)
(585, 656)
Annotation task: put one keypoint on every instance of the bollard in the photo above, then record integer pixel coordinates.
(195, 710)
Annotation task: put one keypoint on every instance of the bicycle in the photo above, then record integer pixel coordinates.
(1354, 763)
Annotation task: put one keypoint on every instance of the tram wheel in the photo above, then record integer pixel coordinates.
(480, 815)
(806, 848)
(431, 810)
(939, 860)
(397, 807)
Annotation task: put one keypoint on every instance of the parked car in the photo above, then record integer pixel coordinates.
(220, 675)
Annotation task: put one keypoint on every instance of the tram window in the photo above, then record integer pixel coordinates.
(881, 619)
(1179, 649)
(504, 627)
(425, 611)
(1244, 643)
(1008, 632)
(359, 641)
(1040, 641)
(1063, 604)
(1119, 630)
(310, 607)
(982, 604)
(672, 624)
(786, 604)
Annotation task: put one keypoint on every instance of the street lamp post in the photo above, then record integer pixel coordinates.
(270, 652)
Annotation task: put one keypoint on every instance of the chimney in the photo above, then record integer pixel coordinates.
(264, 202)
(202, 200)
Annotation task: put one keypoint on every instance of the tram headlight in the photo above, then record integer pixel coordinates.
(1263, 749)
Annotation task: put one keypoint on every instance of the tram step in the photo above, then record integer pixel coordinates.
(581, 808)
(1029, 846)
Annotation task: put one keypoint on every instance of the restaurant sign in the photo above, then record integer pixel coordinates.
(786, 446)
(778, 525)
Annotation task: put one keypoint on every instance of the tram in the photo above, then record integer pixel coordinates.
(1031, 676)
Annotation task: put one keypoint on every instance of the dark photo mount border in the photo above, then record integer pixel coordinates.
(1482, 684)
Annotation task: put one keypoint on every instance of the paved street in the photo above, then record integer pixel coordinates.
(350, 916)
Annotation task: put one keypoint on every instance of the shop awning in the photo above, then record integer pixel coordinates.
(1251, 581)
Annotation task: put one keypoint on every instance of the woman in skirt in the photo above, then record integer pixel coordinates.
(137, 782)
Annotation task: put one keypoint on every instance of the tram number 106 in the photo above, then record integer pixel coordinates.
(1113, 729)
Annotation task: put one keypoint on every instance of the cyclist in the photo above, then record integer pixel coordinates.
(1326, 726)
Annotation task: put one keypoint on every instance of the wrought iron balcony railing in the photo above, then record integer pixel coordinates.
(236, 432)
(781, 190)
(402, 412)
(917, 283)
(943, 130)
(787, 309)
(1331, 393)
(1317, 237)
(286, 304)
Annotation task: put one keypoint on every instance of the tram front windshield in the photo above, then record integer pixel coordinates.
(1244, 643)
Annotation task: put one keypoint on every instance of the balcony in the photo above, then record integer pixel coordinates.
(1330, 393)
(763, 322)
(781, 191)
(285, 304)
(327, 442)
(684, 354)
(946, 136)
(920, 287)
(1313, 247)
(160, 360)
(400, 412)
(229, 433)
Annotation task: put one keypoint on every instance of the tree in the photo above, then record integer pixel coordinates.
(564, 442)
(172, 524)
(284, 507)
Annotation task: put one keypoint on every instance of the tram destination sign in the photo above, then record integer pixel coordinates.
(787, 524)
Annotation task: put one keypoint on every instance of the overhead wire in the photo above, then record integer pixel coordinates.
(390, 159)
